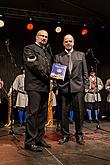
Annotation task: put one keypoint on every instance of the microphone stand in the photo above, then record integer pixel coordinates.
(96, 71)
(90, 51)
(13, 62)
(97, 102)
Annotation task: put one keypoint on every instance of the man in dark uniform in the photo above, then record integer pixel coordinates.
(72, 88)
(37, 61)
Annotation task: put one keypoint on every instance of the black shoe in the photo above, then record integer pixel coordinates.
(20, 125)
(64, 140)
(70, 121)
(1, 125)
(79, 139)
(58, 127)
(33, 147)
(24, 124)
(43, 144)
(97, 121)
(89, 121)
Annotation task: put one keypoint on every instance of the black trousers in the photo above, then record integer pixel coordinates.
(36, 116)
(77, 100)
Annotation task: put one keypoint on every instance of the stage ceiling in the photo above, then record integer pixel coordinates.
(69, 10)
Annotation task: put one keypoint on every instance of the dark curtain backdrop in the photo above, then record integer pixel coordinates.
(15, 30)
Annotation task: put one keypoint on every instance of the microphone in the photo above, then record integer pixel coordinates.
(89, 51)
(7, 43)
(48, 46)
(49, 49)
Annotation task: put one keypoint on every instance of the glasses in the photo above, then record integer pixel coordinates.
(43, 35)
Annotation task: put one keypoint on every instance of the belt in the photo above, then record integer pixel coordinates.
(23, 92)
(93, 92)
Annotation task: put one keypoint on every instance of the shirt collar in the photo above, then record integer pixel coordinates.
(69, 51)
(37, 44)
(41, 46)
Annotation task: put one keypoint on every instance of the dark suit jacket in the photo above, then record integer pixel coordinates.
(37, 63)
(78, 80)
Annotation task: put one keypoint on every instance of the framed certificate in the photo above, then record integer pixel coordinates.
(58, 71)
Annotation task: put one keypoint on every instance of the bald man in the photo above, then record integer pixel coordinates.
(37, 61)
(72, 88)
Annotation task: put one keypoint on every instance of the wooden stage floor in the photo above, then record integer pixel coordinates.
(95, 151)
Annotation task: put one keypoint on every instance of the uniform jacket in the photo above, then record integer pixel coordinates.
(37, 68)
(78, 79)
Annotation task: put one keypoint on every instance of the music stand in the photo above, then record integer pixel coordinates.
(11, 132)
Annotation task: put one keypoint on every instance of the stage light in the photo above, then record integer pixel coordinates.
(84, 24)
(84, 31)
(2, 23)
(102, 27)
(58, 28)
(1, 19)
(30, 26)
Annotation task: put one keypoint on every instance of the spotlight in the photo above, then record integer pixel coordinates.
(1, 23)
(58, 29)
(1, 19)
(84, 31)
(30, 25)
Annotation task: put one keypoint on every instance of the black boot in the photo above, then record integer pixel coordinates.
(64, 140)
(79, 139)
(58, 126)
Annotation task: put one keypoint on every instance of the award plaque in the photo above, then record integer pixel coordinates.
(58, 71)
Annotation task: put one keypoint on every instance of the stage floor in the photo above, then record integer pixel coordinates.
(95, 151)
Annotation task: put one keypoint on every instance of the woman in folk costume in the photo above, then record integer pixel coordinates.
(93, 97)
(21, 101)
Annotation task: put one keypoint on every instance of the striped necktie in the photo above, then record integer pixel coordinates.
(70, 64)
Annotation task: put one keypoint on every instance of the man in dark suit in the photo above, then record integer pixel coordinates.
(72, 88)
(37, 61)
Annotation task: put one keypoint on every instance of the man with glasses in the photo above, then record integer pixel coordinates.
(37, 61)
